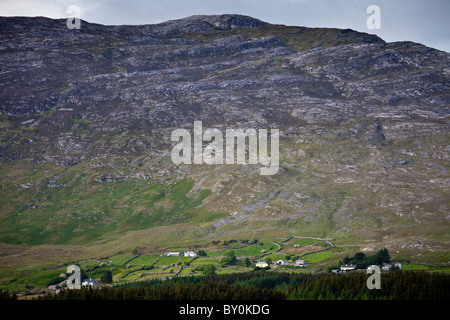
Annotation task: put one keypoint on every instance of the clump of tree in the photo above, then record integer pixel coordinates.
(209, 269)
(229, 259)
(6, 295)
(106, 277)
(201, 253)
(362, 261)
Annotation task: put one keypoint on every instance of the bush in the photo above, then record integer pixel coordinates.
(229, 259)
(106, 277)
(209, 269)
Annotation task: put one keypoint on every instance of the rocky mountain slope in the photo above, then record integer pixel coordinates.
(86, 117)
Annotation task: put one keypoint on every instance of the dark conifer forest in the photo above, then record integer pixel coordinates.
(395, 285)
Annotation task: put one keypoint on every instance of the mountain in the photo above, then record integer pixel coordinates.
(86, 117)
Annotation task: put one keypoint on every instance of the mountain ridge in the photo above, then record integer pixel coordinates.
(86, 117)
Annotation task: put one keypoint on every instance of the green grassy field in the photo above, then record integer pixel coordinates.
(275, 257)
(249, 251)
(15, 278)
(18, 278)
(83, 210)
(318, 257)
(206, 260)
(145, 260)
(165, 261)
(303, 242)
(429, 268)
(119, 259)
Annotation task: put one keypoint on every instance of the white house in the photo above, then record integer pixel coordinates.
(261, 264)
(348, 267)
(189, 253)
(336, 271)
(283, 263)
(386, 267)
(53, 287)
(172, 254)
(89, 282)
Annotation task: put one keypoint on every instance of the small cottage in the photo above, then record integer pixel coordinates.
(386, 267)
(53, 287)
(348, 267)
(261, 264)
(189, 253)
(90, 282)
(336, 271)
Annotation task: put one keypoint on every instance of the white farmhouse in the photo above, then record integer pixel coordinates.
(90, 282)
(261, 264)
(386, 267)
(348, 267)
(189, 253)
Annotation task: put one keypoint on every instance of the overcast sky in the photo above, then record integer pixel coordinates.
(424, 21)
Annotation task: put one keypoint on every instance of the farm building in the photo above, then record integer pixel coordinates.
(283, 263)
(262, 264)
(386, 267)
(300, 263)
(89, 282)
(53, 287)
(189, 253)
(348, 267)
(336, 271)
(172, 254)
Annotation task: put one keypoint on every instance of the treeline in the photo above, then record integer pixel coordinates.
(398, 285)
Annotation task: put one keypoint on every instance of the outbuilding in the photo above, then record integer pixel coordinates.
(261, 264)
(348, 267)
(90, 282)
